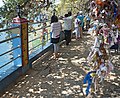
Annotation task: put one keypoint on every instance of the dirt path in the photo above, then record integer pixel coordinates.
(63, 77)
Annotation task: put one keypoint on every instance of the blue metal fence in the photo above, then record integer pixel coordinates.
(8, 50)
(38, 39)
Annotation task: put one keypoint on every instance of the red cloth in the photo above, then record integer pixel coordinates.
(99, 2)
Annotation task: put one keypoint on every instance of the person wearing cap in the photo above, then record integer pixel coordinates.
(81, 18)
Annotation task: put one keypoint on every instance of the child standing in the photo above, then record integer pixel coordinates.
(77, 31)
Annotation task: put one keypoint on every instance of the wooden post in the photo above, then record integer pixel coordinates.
(24, 43)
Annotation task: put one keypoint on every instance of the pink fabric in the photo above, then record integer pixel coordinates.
(105, 31)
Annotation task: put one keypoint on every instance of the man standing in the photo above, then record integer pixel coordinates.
(67, 28)
(72, 21)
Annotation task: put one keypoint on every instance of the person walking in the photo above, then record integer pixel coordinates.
(56, 28)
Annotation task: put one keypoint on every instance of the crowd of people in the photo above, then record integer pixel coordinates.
(102, 22)
(71, 24)
(56, 29)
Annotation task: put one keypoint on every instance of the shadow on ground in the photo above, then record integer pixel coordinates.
(63, 78)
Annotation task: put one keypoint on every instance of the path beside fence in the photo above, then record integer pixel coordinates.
(63, 78)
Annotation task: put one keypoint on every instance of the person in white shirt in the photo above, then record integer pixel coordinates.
(76, 24)
(72, 22)
(67, 28)
(56, 28)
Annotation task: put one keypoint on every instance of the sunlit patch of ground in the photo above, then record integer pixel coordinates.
(62, 78)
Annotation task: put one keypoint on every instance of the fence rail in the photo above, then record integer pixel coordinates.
(3, 30)
(38, 35)
(8, 52)
(38, 41)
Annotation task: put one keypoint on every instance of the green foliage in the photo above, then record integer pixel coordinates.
(29, 9)
(71, 5)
